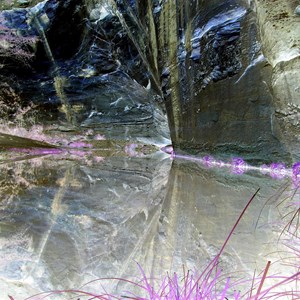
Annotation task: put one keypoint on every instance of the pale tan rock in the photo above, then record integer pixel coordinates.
(280, 38)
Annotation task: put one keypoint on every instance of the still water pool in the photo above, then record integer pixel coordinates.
(70, 218)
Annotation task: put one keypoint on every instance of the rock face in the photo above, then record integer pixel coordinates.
(225, 82)
(214, 62)
(222, 80)
(279, 27)
(82, 68)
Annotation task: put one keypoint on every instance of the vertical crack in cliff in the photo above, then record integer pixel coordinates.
(59, 81)
(135, 40)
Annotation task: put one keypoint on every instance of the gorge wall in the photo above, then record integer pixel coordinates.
(225, 72)
(229, 72)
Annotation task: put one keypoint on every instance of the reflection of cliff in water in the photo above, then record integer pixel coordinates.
(67, 222)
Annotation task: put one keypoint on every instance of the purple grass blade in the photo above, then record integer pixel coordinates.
(263, 279)
(214, 262)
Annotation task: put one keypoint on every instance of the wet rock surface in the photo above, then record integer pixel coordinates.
(229, 106)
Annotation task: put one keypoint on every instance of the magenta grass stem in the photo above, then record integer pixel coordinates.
(214, 262)
(263, 279)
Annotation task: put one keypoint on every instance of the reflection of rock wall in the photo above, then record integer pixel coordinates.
(198, 213)
(65, 223)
